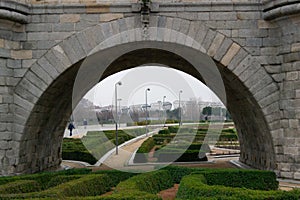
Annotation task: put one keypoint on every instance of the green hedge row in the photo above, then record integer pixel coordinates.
(63, 184)
(79, 156)
(88, 185)
(195, 186)
(21, 186)
(43, 178)
(73, 149)
(143, 186)
(251, 179)
(164, 132)
(144, 149)
(187, 156)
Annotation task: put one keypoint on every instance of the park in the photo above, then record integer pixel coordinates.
(53, 52)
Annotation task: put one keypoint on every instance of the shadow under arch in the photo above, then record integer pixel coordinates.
(46, 123)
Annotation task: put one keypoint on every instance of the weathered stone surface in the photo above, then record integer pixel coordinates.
(258, 60)
(21, 54)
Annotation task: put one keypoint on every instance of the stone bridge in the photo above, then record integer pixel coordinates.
(255, 45)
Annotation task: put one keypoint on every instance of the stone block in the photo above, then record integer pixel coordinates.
(14, 64)
(107, 17)
(222, 15)
(291, 76)
(294, 123)
(5, 53)
(73, 49)
(262, 24)
(295, 47)
(63, 27)
(4, 145)
(269, 99)
(69, 18)
(11, 44)
(98, 9)
(250, 71)
(210, 35)
(257, 42)
(38, 27)
(1, 43)
(41, 73)
(232, 51)
(34, 79)
(218, 40)
(274, 107)
(266, 91)
(21, 54)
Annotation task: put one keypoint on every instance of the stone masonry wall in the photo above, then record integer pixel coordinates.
(28, 31)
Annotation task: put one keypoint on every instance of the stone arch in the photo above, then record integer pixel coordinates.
(39, 131)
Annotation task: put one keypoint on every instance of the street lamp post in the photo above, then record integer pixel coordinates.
(146, 91)
(120, 112)
(163, 105)
(179, 109)
(116, 101)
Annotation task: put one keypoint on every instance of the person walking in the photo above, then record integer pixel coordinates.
(71, 127)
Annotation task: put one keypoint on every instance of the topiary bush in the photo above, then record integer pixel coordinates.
(251, 179)
(20, 186)
(89, 185)
(143, 150)
(143, 186)
(195, 186)
(173, 129)
(73, 149)
(164, 132)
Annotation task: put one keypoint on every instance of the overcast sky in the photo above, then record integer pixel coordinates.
(162, 81)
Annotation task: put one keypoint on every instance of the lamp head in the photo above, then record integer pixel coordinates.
(119, 83)
(148, 89)
(180, 91)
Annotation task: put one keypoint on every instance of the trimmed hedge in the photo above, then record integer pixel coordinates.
(144, 149)
(250, 179)
(173, 129)
(187, 156)
(143, 186)
(43, 178)
(89, 185)
(194, 187)
(178, 172)
(21, 186)
(57, 180)
(116, 176)
(164, 132)
(73, 149)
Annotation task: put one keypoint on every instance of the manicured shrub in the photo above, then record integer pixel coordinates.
(43, 178)
(178, 172)
(194, 187)
(89, 185)
(173, 129)
(164, 132)
(73, 149)
(187, 156)
(144, 149)
(143, 186)
(57, 180)
(162, 139)
(151, 182)
(251, 179)
(79, 156)
(20, 186)
(116, 176)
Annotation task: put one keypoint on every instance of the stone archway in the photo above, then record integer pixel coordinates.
(45, 107)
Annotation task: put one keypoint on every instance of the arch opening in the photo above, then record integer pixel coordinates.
(46, 124)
